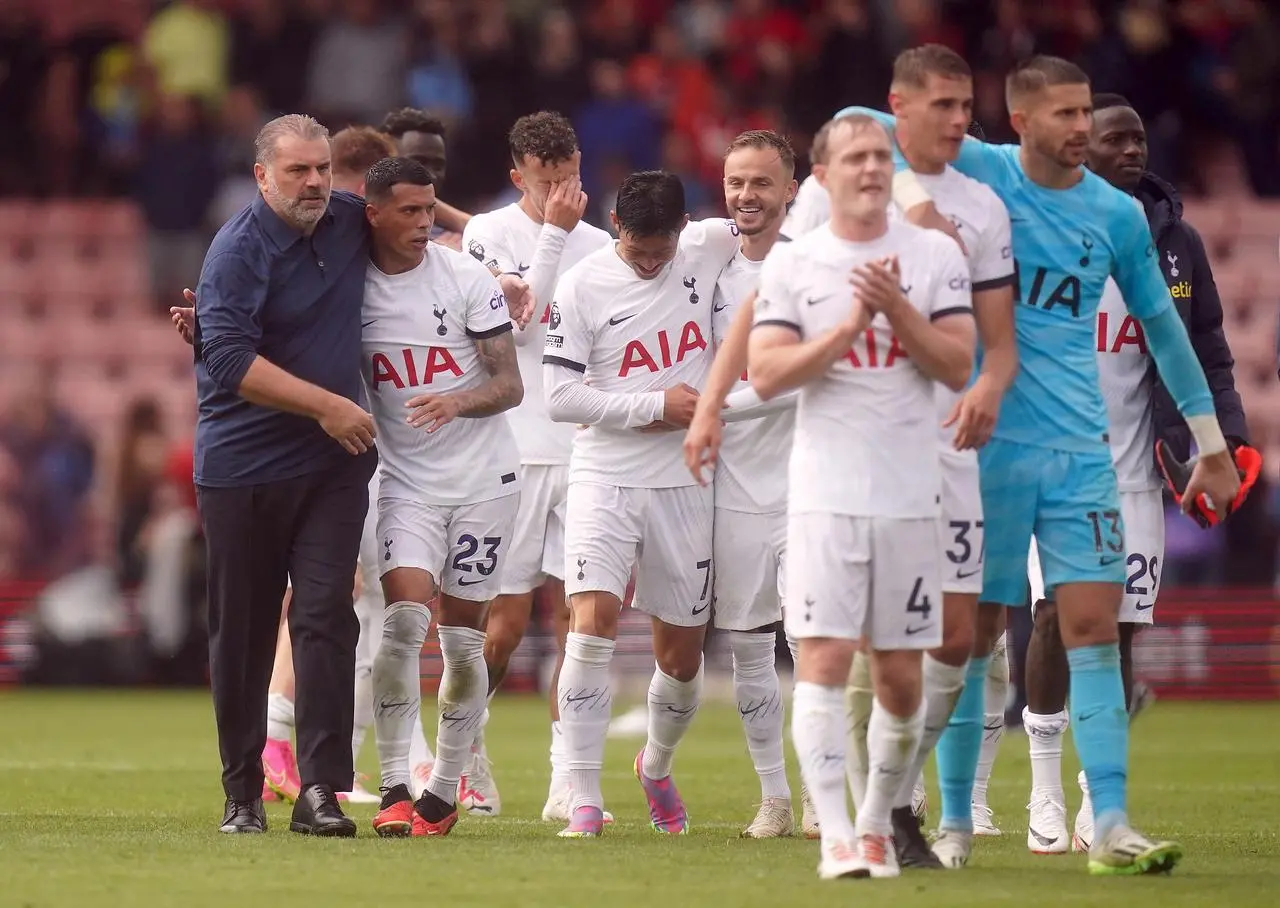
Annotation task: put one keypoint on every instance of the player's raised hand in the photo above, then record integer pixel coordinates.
(184, 317)
(1217, 478)
(928, 217)
(347, 423)
(566, 204)
(878, 285)
(678, 405)
(520, 299)
(432, 411)
(975, 413)
(702, 441)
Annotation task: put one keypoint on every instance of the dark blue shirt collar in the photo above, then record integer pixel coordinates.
(280, 231)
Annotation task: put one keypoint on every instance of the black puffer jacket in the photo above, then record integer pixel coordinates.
(1186, 270)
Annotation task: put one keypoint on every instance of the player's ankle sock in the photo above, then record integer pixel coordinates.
(759, 696)
(672, 706)
(396, 691)
(585, 697)
(858, 697)
(419, 749)
(363, 712)
(942, 686)
(559, 761)
(959, 747)
(820, 733)
(279, 717)
(461, 703)
(1044, 741)
(892, 742)
(994, 696)
(1100, 728)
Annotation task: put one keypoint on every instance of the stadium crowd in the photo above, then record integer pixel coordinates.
(158, 103)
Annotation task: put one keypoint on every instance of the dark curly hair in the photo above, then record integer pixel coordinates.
(545, 135)
(410, 119)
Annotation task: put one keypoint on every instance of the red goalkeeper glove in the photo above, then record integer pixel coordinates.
(1177, 473)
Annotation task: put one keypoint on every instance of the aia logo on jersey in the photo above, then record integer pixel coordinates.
(638, 355)
(412, 370)
(1129, 334)
(690, 283)
(869, 352)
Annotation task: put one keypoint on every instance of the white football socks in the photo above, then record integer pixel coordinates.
(279, 717)
(419, 749)
(942, 686)
(586, 698)
(461, 702)
(892, 742)
(759, 696)
(819, 730)
(996, 694)
(559, 758)
(396, 687)
(1044, 738)
(672, 706)
(858, 698)
(364, 711)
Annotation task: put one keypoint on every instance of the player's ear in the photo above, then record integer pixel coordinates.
(683, 224)
(371, 214)
(613, 221)
(517, 180)
(896, 102)
(1018, 120)
(792, 188)
(820, 174)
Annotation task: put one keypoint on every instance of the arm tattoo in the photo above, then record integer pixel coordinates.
(504, 389)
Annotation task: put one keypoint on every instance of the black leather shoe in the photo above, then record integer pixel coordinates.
(909, 841)
(317, 813)
(244, 816)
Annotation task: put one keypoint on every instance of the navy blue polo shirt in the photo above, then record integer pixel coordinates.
(267, 290)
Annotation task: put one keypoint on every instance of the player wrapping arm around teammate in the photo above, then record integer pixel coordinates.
(440, 369)
(539, 238)
(1139, 411)
(1047, 470)
(626, 348)
(864, 316)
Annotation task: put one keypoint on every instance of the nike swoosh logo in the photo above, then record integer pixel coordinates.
(368, 323)
(960, 575)
(1042, 839)
(699, 611)
(1019, 221)
(916, 630)
(813, 302)
(522, 268)
(471, 582)
(1142, 607)
(719, 308)
(620, 320)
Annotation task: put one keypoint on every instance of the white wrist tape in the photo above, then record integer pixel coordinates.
(907, 191)
(1208, 435)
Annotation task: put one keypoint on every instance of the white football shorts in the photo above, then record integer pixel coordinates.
(749, 554)
(873, 577)
(537, 543)
(664, 533)
(1142, 515)
(463, 547)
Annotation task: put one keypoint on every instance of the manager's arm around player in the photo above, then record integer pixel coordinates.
(283, 457)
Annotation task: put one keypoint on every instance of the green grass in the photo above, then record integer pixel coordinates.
(113, 799)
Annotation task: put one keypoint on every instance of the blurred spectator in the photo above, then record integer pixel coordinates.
(357, 66)
(241, 118)
(559, 74)
(188, 44)
(703, 24)
(177, 180)
(852, 65)
(614, 125)
(270, 50)
(24, 60)
(438, 80)
(139, 471)
(54, 463)
(1254, 88)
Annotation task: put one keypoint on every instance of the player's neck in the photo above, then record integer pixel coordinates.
(756, 246)
(1046, 172)
(526, 205)
(916, 161)
(865, 229)
(389, 262)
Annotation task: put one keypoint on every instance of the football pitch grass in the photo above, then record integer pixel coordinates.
(112, 798)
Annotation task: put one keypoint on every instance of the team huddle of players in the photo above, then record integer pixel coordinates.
(549, 402)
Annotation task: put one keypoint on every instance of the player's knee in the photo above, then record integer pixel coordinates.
(987, 628)
(678, 651)
(898, 680)
(958, 635)
(1045, 623)
(454, 612)
(826, 660)
(595, 614)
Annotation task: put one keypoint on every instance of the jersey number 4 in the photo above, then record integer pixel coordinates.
(918, 602)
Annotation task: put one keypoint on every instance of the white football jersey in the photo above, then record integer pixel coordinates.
(810, 210)
(622, 335)
(866, 438)
(1125, 377)
(983, 223)
(419, 332)
(506, 241)
(751, 473)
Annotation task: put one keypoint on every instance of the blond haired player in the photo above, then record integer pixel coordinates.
(864, 316)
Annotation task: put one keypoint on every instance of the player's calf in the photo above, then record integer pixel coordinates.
(505, 627)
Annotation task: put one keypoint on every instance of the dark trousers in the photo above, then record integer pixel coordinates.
(259, 538)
